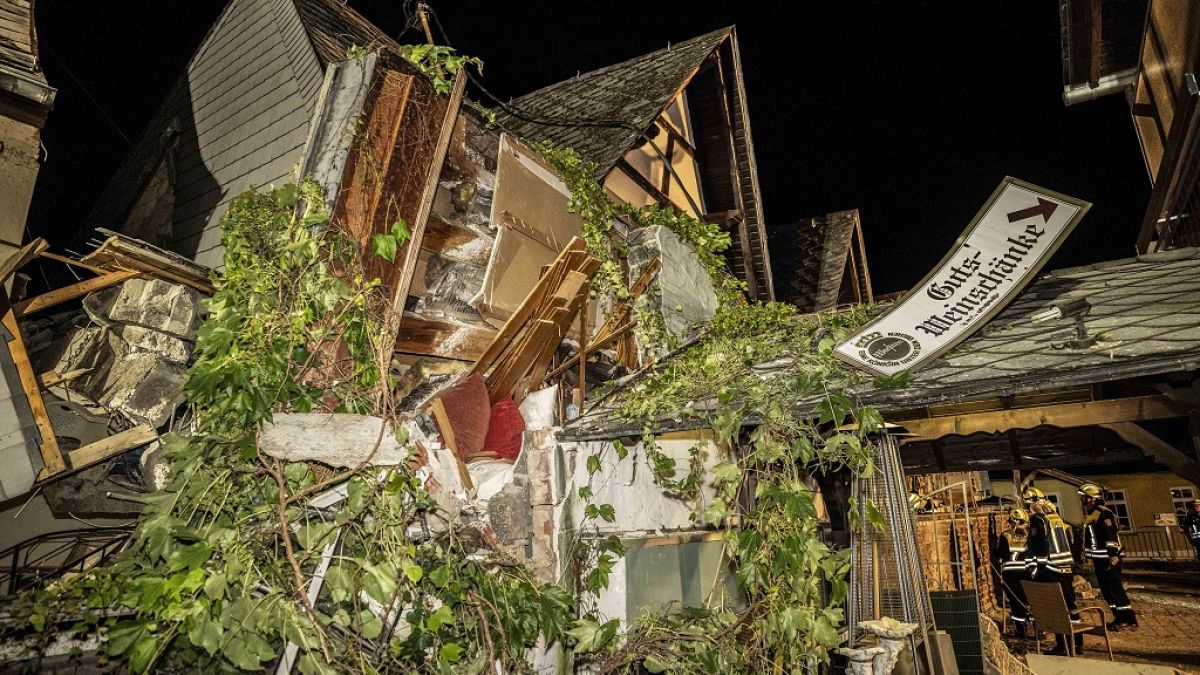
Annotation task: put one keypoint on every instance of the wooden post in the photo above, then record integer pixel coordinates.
(583, 340)
(51, 455)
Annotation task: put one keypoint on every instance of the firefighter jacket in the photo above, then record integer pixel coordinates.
(1048, 547)
(1100, 540)
(1191, 525)
(1011, 551)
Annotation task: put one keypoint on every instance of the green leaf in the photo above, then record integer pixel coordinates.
(400, 231)
(214, 585)
(312, 533)
(339, 583)
(440, 576)
(450, 652)
(372, 627)
(607, 512)
(726, 472)
(588, 636)
(875, 517)
(142, 653)
(622, 451)
(413, 572)
(384, 246)
(653, 665)
(206, 634)
(192, 557)
(585, 493)
(442, 617)
(593, 464)
(314, 664)
(898, 380)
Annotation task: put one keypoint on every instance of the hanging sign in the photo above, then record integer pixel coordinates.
(1009, 240)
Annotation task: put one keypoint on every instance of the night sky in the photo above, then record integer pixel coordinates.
(910, 112)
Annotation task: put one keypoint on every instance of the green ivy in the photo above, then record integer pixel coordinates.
(218, 574)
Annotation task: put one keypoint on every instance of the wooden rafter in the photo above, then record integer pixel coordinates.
(1164, 453)
(1133, 409)
(76, 290)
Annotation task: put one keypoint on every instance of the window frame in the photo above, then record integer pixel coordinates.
(1180, 504)
(1123, 501)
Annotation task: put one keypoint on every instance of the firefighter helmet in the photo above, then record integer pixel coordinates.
(1018, 516)
(1032, 494)
(1091, 490)
(915, 501)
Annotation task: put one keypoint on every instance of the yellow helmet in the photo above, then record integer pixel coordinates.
(1018, 516)
(915, 501)
(1032, 494)
(1091, 490)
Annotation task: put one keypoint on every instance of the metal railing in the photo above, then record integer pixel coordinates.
(49, 556)
(1157, 543)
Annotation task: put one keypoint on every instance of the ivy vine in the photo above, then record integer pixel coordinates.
(218, 577)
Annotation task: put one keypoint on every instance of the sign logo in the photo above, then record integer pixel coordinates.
(1009, 240)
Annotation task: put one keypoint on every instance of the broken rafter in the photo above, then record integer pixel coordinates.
(79, 289)
(21, 257)
(51, 455)
(94, 453)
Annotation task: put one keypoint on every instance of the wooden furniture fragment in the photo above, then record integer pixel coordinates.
(1049, 610)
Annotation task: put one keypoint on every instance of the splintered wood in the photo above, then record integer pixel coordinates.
(517, 359)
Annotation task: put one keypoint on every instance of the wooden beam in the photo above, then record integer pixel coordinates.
(75, 263)
(430, 336)
(52, 378)
(644, 183)
(525, 312)
(413, 247)
(21, 257)
(51, 455)
(66, 293)
(1164, 453)
(94, 453)
(1093, 25)
(595, 346)
(1131, 409)
(438, 409)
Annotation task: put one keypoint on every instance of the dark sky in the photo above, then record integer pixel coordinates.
(911, 112)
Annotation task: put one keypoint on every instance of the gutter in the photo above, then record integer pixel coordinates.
(1109, 84)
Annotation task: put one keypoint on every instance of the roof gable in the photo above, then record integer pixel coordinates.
(602, 113)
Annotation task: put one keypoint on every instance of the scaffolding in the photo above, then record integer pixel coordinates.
(885, 569)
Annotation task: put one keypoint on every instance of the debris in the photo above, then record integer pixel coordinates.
(339, 439)
(683, 291)
(504, 431)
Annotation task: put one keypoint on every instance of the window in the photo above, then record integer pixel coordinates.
(1120, 508)
(1181, 499)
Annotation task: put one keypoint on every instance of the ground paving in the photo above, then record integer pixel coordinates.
(1167, 601)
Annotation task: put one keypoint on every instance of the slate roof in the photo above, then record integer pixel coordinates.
(622, 99)
(1146, 309)
(333, 27)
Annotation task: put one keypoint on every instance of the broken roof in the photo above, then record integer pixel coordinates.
(602, 113)
(1146, 311)
(20, 73)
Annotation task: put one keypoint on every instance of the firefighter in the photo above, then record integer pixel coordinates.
(1013, 567)
(1103, 547)
(1191, 525)
(1048, 553)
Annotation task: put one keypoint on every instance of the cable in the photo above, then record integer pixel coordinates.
(87, 93)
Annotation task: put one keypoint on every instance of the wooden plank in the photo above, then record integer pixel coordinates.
(21, 257)
(52, 378)
(431, 336)
(412, 248)
(1133, 409)
(502, 383)
(94, 453)
(581, 392)
(98, 271)
(620, 315)
(595, 346)
(438, 409)
(51, 455)
(518, 319)
(66, 293)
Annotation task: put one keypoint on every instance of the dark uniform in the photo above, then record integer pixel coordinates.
(1103, 547)
(1048, 555)
(1013, 570)
(1191, 527)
